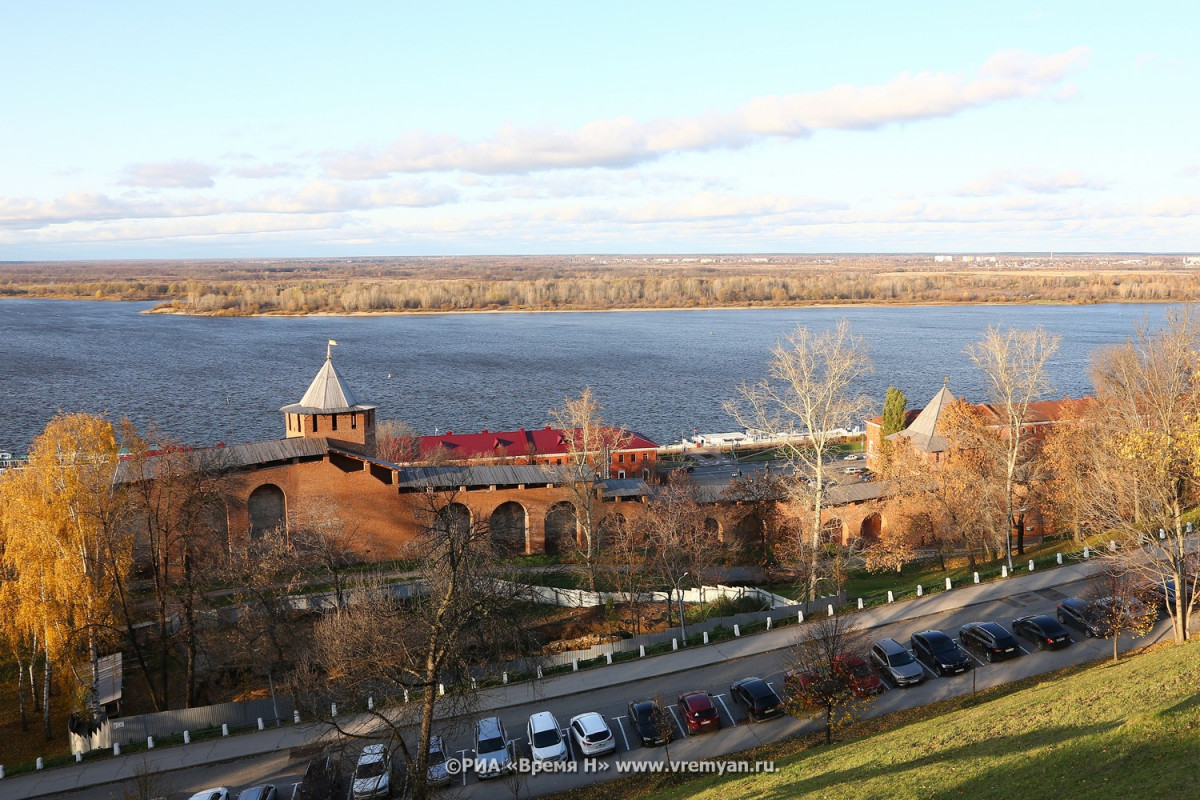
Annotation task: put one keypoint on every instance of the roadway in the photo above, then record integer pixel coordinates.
(608, 690)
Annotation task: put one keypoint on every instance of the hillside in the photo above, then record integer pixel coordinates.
(1126, 730)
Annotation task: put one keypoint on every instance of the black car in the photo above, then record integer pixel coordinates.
(939, 652)
(651, 723)
(1082, 615)
(1043, 630)
(759, 699)
(990, 640)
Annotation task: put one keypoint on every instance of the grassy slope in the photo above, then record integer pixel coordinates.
(1129, 730)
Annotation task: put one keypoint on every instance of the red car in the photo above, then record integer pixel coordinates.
(698, 711)
(865, 680)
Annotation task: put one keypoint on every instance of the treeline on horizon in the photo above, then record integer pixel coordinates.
(577, 284)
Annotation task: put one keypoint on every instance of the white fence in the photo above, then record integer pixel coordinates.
(581, 598)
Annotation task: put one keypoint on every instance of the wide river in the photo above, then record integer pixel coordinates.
(662, 373)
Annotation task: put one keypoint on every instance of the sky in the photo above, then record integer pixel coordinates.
(262, 129)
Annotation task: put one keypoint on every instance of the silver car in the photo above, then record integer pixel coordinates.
(893, 660)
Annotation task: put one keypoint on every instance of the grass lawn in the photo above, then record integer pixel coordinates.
(1125, 730)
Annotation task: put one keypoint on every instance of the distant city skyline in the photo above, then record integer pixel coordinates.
(393, 129)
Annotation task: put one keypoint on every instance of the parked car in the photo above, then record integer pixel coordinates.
(893, 660)
(1166, 593)
(1043, 630)
(372, 774)
(651, 723)
(437, 773)
(322, 778)
(1082, 615)
(265, 792)
(545, 738)
(698, 711)
(852, 457)
(939, 652)
(990, 640)
(217, 793)
(592, 735)
(492, 754)
(854, 470)
(759, 699)
(863, 679)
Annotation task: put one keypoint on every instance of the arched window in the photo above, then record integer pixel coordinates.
(508, 523)
(562, 528)
(454, 518)
(268, 510)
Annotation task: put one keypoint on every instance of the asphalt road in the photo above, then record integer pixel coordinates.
(736, 732)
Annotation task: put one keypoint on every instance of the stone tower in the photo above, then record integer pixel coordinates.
(330, 410)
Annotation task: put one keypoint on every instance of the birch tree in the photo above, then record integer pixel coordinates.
(1014, 363)
(810, 390)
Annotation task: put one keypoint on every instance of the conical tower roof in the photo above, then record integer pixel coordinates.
(923, 432)
(327, 394)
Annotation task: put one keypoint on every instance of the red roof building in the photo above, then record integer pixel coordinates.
(635, 457)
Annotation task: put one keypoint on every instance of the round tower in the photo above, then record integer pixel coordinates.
(330, 410)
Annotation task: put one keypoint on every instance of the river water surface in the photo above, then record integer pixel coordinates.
(662, 373)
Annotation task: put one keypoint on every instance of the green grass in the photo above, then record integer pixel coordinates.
(1125, 730)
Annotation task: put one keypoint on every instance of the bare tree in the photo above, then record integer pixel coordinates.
(1014, 367)
(1148, 451)
(809, 391)
(397, 442)
(589, 445)
(386, 643)
(825, 676)
(323, 539)
(624, 561)
(1120, 600)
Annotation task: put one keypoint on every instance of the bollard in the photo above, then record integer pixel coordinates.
(78, 756)
(1058, 557)
(1031, 565)
(260, 724)
(1, 772)
(149, 742)
(920, 590)
(225, 725)
(406, 690)
(641, 651)
(187, 737)
(891, 599)
(503, 679)
(977, 577)
(949, 586)
(442, 689)
(1162, 534)
(39, 762)
(1004, 571)
(674, 643)
(1087, 553)
(768, 623)
(706, 637)
(574, 665)
(860, 604)
(370, 704)
(296, 717)
(800, 616)
(474, 683)
(1112, 545)
(608, 656)
(831, 609)
(332, 710)
(737, 631)
(116, 748)
(539, 672)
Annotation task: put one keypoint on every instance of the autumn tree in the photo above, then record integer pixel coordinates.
(1014, 363)
(1072, 462)
(66, 547)
(589, 445)
(459, 618)
(1148, 442)
(824, 677)
(1121, 599)
(809, 391)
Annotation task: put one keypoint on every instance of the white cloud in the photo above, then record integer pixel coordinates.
(623, 142)
(1005, 181)
(280, 169)
(181, 173)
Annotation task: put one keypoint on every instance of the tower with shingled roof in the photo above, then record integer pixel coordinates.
(330, 410)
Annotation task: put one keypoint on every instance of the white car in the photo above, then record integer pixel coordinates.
(373, 774)
(545, 738)
(852, 457)
(592, 734)
(218, 793)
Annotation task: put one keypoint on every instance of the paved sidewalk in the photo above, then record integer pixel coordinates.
(98, 772)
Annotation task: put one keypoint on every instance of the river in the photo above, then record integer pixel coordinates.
(662, 373)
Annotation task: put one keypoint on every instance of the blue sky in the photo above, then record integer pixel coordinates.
(224, 129)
